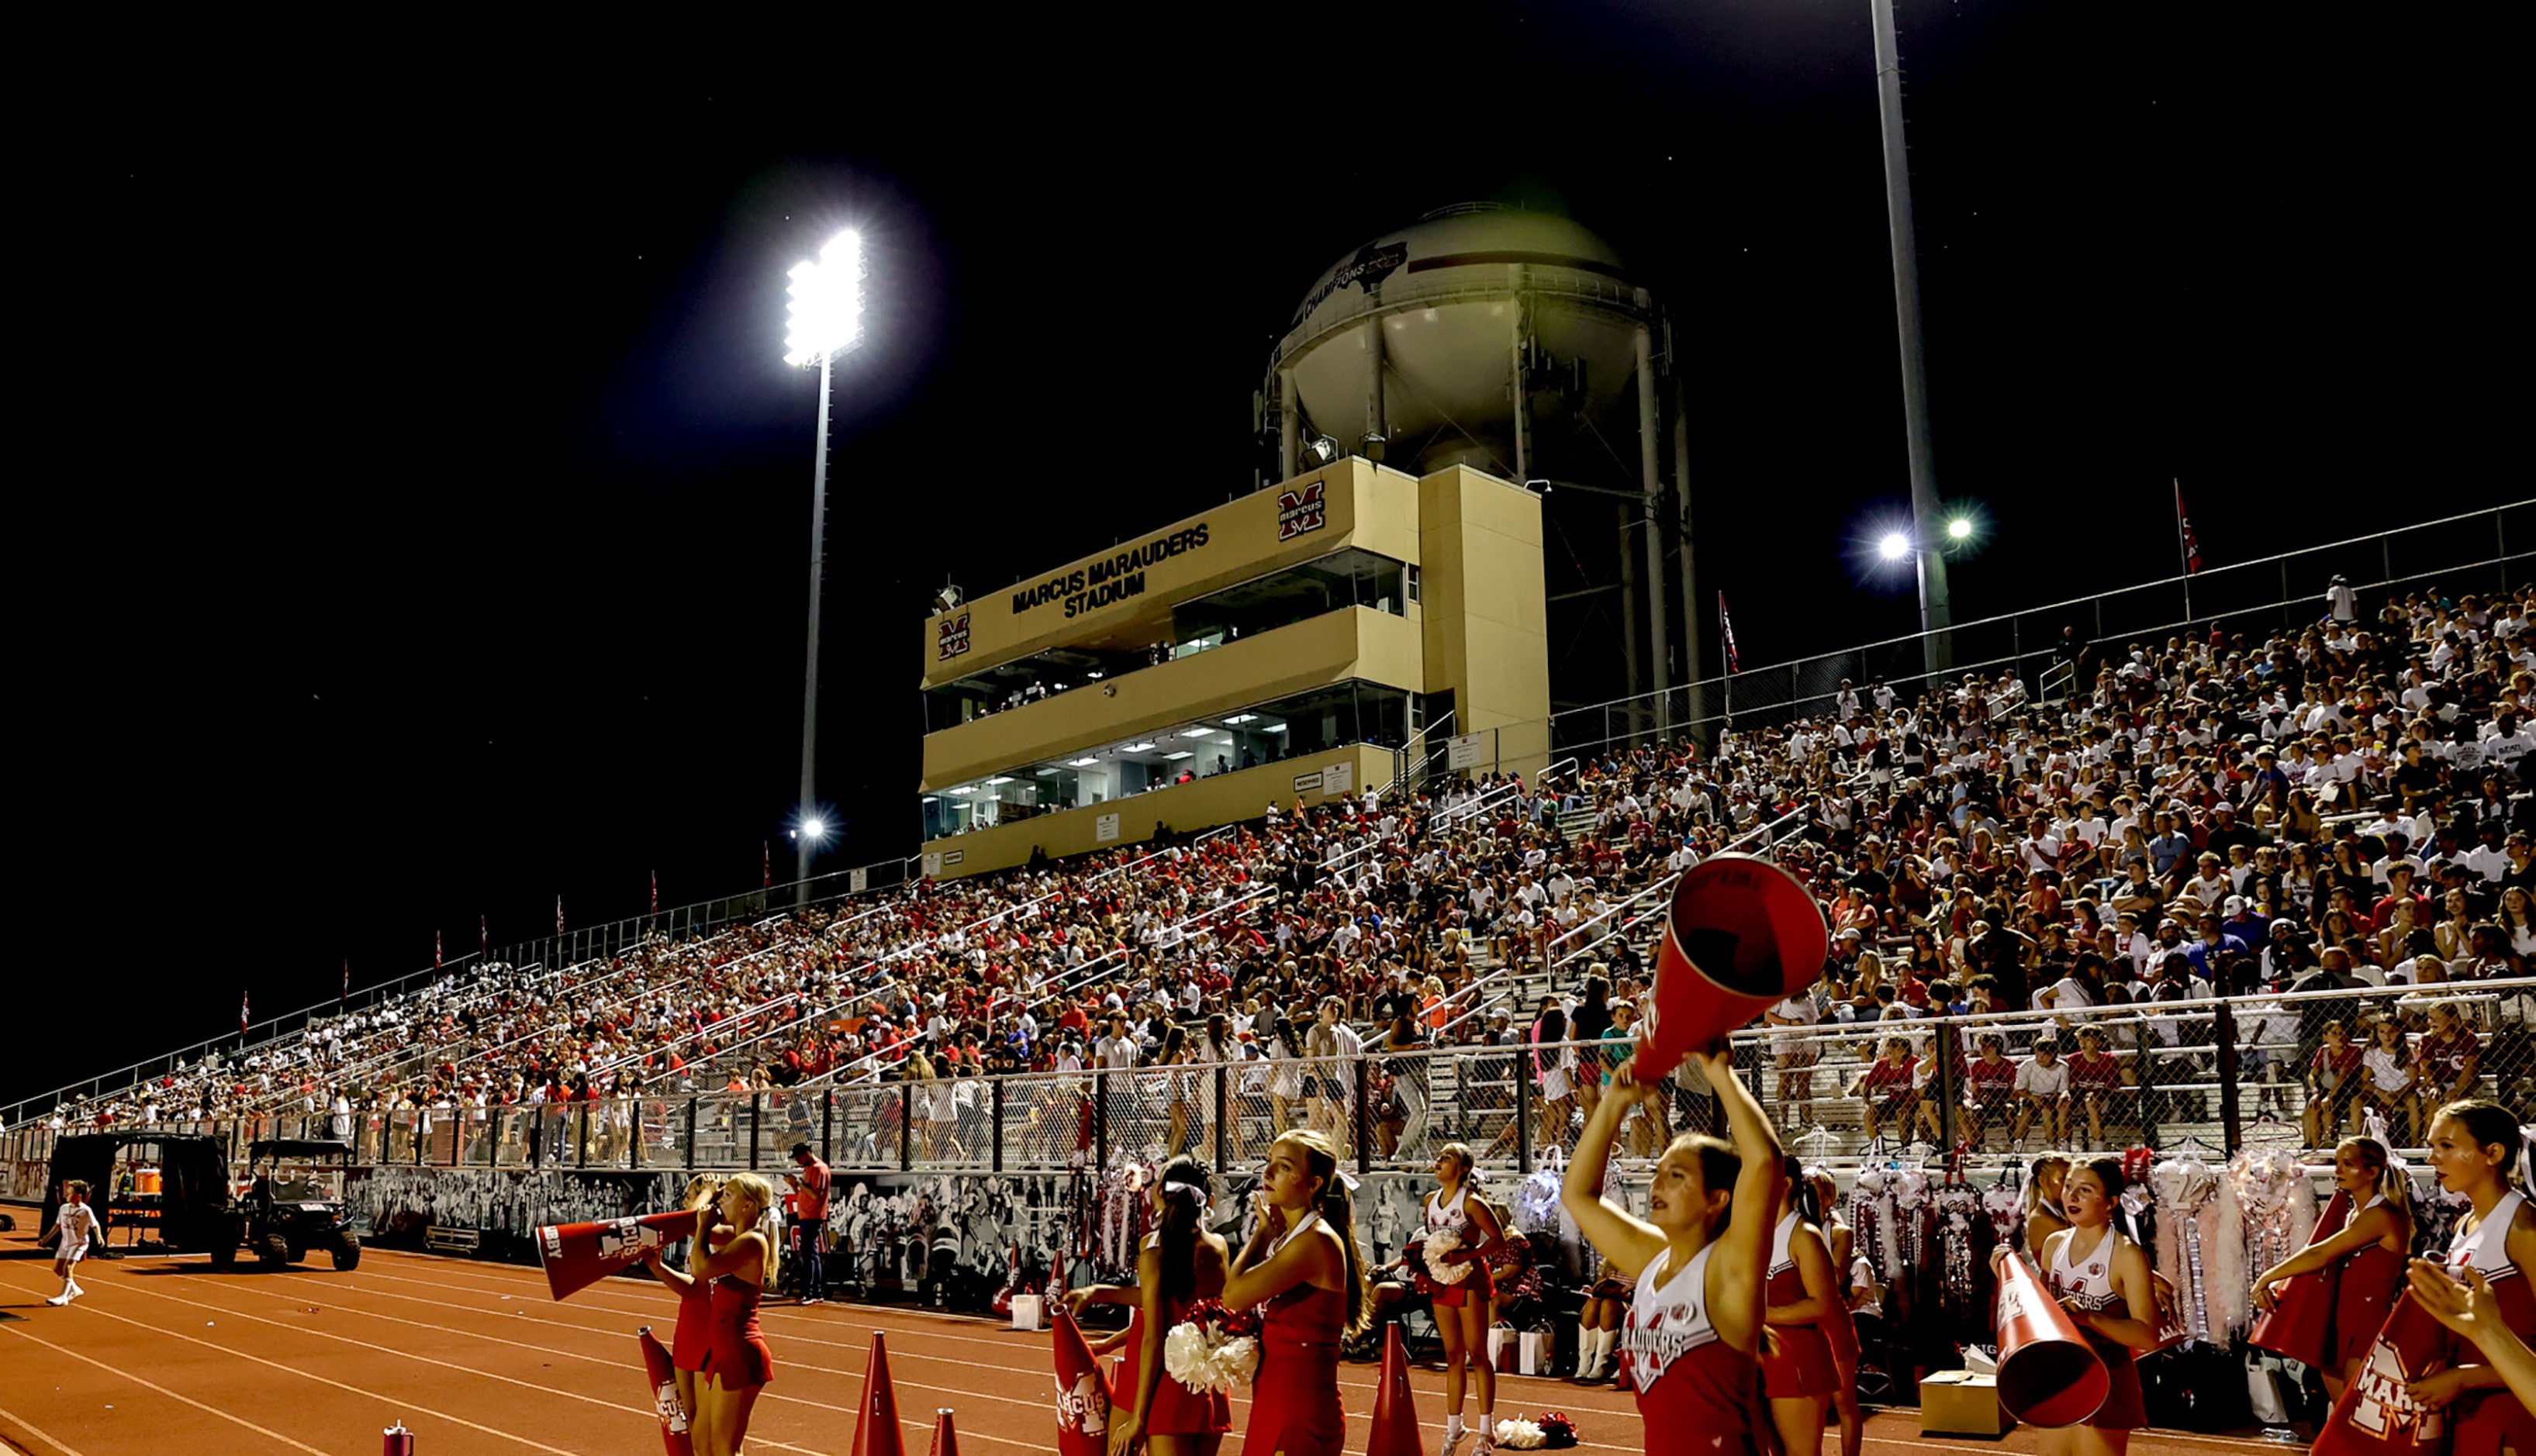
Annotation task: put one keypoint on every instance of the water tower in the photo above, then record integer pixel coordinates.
(1515, 343)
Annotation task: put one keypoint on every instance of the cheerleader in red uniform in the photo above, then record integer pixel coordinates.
(1304, 1269)
(2474, 1147)
(1180, 1265)
(2102, 1279)
(737, 1365)
(695, 1334)
(1838, 1325)
(1461, 1310)
(2371, 1246)
(1701, 1260)
(1798, 1373)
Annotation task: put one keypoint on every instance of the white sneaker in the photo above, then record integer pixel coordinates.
(58, 1301)
(1453, 1441)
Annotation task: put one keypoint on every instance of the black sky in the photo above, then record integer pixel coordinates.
(423, 527)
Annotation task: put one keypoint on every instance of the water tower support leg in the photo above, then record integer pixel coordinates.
(1289, 426)
(1659, 600)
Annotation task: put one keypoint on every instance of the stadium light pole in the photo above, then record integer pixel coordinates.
(1936, 613)
(826, 319)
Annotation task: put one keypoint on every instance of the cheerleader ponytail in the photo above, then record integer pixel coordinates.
(1338, 1210)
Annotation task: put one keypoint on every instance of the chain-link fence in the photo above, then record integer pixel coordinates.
(2297, 1070)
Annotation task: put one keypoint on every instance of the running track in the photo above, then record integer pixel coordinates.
(163, 1358)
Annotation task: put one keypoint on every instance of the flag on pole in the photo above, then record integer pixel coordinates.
(656, 892)
(2183, 536)
(347, 998)
(766, 849)
(242, 1008)
(1726, 628)
(558, 914)
(484, 936)
(435, 949)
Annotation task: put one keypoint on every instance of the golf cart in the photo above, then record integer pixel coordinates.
(179, 1199)
(296, 1203)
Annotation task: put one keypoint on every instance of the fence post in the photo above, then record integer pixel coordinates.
(1522, 1111)
(581, 1155)
(828, 1126)
(2144, 1072)
(1222, 1079)
(1364, 1144)
(1099, 1123)
(995, 1111)
(634, 1144)
(756, 1103)
(536, 1138)
(1945, 1049)
(2224, 1023)
(906, 1128)
(692, 1114)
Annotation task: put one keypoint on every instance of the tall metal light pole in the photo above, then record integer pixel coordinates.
(1936, 615)
(826, 320)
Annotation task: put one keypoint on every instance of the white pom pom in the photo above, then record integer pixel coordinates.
(1237, 1359)
(1188, 1356)
(1521, 1435)
(1439, 1244)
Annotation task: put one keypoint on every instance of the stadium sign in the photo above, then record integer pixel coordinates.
(1113, 578)
(951, 637)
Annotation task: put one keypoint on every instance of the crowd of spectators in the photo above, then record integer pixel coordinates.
(2335, 808)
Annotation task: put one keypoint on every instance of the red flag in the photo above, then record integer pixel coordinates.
(558, 914)
(1726, 629)
(242, 1010)
(767, 849)
(435, 950)
(2190, 543)
(484, 936)
(656, 892)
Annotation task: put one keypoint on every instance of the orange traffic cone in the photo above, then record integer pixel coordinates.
(876, 1421)
(1395, 1409)
(946, 1441)
(1082, 1396)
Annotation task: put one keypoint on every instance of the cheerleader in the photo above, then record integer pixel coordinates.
(1598, 1323)
(737, 1365)
(2102, 1279)
(1461, 1310)
(694, 1337)
(1690, 1344)
(1180, 1264)
(2047, 1176)
(2474, 1149)
(1799, 1374)
(1304, 1268)
(2369, 1246)
(1839, 1323)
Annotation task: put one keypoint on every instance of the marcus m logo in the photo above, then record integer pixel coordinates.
(1301, 511)
(951, 637)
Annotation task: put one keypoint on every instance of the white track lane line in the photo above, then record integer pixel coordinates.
(160, 1389)
(1560, 1394)
(37, 1432)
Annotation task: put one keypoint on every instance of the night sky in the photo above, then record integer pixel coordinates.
(428, 511)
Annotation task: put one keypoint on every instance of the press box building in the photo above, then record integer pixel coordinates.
(1305, 640)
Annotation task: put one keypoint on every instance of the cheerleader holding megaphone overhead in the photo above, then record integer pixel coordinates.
(1691, 1340)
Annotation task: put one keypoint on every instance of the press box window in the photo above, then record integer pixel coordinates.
(1409, 578)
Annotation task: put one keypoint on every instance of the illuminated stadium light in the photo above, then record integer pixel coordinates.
(826, 311)
(1894, 547)
(815, 828)
(1959, 528)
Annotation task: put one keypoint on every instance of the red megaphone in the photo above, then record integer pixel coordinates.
(2378, 1414)
(663, 1376)
(1739, 934)
(2300, 1325)
(579, 1256)
(2048, 1373)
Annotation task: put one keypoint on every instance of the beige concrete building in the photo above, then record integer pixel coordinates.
(1309, 639)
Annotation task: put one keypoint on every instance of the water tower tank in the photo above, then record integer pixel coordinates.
(1468, 299)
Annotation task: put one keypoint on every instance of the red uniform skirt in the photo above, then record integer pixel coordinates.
(694, 1338)
(2366, 1294)
(1796, 1362)
(2487, 1418)
(2123, 1409)
(737, 1357)
(1176, 1408)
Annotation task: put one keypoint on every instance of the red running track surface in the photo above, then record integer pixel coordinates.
(164, 1358)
